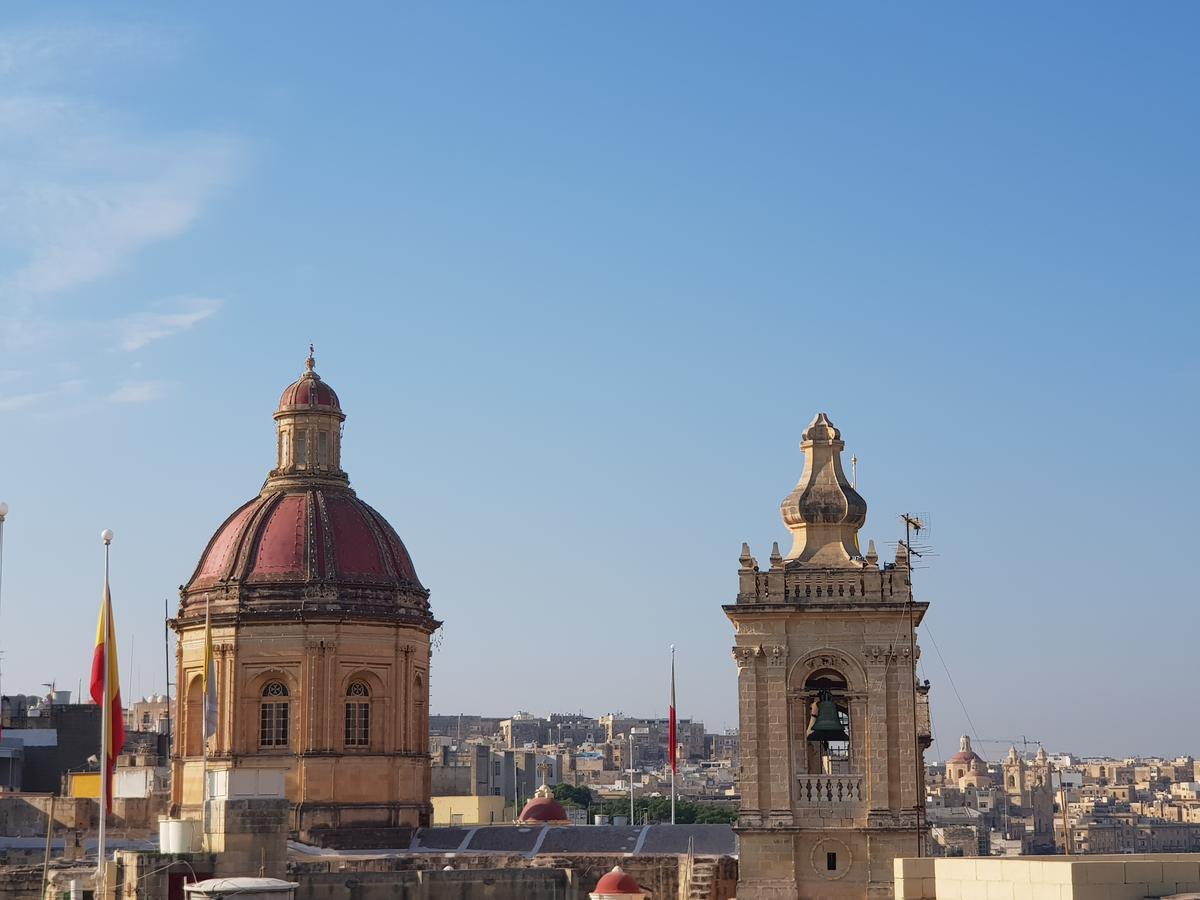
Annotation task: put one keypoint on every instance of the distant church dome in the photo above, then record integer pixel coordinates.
(543, 811)
(965, 754)
(617, 883)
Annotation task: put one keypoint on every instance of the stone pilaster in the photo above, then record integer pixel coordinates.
(750, 751)
(879, 803)
(778, 740)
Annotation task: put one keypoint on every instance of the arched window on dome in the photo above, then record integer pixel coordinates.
(274, 715)
(323, 449)
(301, 448)
(194, 718)
(358, 715)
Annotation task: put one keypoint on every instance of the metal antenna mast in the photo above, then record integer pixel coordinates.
(913, 524)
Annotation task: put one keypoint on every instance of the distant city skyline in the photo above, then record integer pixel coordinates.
(582, 278)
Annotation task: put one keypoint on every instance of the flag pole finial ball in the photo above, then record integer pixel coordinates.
(3, 510)
(106, 535)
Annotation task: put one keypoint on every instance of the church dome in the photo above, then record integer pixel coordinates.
(297, 536)
(965, 754)
(308, 392)
(307, 540)
(617, 883)
(543, 811)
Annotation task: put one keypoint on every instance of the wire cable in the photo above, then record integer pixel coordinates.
(954, 687)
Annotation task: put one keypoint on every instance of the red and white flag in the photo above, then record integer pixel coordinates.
(671, 737)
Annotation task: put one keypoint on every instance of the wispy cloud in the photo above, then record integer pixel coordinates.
(73, 233)
(140, 329)
(139, 392)
(85, 189)
(42, 398)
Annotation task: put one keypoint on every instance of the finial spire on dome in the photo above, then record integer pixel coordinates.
(311, 362)
(823, 511)
(544, 790)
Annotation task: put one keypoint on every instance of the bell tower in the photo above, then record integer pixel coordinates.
(833, 724)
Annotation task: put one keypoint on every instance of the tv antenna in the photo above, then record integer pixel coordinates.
(914, 525)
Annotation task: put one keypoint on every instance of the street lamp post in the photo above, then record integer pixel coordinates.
(3, 516)
(630, 770)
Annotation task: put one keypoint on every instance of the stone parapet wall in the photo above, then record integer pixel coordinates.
(1123, 877)
(20, 882)
(658, 873)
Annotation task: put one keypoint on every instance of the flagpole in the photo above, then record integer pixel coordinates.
(105, 714)
(673, 737)
(3, 516)
(204, 711)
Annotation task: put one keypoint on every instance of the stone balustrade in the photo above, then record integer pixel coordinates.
(829, 789)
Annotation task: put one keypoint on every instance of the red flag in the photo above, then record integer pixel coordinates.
(104, 661)
(671, 729)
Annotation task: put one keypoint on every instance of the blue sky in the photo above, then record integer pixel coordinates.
(581, 277)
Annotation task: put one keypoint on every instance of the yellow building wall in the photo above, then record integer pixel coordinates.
(483, 810)
(83, 784)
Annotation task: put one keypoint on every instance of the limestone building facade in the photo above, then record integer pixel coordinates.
(1030, 791)
(825, 644)
(321, 638)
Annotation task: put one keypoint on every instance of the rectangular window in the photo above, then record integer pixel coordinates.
(302, 448)
(456, 818)
(831, 862)
(358, 724)
(273, 725)
(322, 449)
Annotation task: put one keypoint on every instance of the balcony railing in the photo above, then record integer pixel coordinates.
(814, 789)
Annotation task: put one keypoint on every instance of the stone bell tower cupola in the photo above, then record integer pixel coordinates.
(823, 512)
(309, 429)
(833, 721)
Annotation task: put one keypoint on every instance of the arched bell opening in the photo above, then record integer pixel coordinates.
(827, 731)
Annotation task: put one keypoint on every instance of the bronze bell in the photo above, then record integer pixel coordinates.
(827, 725)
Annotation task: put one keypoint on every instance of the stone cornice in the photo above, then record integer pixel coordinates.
(864, 609)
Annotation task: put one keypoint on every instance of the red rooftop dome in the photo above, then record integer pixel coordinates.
(307, 544)
(618, 882)
(544, 810)
(965, 754)
(961, 757)
(309, 391)
(316, 534)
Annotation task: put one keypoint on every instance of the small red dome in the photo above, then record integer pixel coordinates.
(618, 882)
(965, 756)
(543, 809)
(310, 392)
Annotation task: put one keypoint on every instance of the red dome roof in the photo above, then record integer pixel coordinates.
(965, 756)
(618, 882)
(307, 545)
(320, 535)
(543, 809)
(310, 392)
